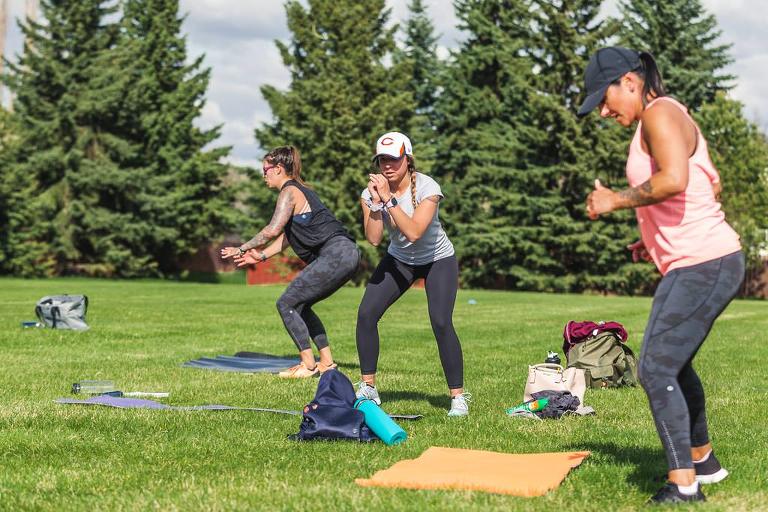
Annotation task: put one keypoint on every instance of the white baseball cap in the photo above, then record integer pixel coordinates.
(393, 144)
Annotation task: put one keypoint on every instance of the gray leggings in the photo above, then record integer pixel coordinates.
(335, 265)
(686, 304)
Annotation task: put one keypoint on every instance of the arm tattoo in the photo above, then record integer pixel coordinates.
(641, 195)
(283, 212)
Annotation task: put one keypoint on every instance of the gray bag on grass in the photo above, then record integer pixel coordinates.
(63, 311)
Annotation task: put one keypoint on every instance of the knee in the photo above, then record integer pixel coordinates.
(652, 377)
(441, 326)
(367, 315)
(284, 306)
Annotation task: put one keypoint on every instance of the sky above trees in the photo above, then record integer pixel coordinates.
(237, 39)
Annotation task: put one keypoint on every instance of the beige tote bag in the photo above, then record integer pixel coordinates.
(554, 378)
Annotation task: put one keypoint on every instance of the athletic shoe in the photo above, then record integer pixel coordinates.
(300, 371)
(709, 470)
(670, 494)
(460, 405)
(323, 368)
(368, 392)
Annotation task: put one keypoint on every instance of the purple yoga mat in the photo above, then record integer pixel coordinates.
(139, 403)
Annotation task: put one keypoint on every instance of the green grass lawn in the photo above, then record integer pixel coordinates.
(57, 457)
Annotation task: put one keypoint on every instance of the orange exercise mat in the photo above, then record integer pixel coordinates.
(531, 474)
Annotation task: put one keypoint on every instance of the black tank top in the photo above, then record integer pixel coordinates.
(308, 232)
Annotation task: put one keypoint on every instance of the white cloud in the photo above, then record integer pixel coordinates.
(237, 38)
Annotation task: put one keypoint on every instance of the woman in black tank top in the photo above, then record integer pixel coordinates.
(302, 221)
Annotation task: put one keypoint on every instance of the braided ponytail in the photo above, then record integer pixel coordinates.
(412, 176)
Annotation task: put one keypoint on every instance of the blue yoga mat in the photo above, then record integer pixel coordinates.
(245, 362)
(139, 403)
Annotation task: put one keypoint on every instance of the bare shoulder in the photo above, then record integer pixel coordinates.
(664, 116)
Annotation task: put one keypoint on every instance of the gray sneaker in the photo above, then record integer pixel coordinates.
(460, 405)
(368, 392)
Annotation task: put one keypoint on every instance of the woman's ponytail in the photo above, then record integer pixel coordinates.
(290, 158)
(649, 72)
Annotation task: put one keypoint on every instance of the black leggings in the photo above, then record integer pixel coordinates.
(391, 280)
(686, 304)
(334, 266)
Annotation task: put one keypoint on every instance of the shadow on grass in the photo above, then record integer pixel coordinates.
(648, 465)
(441, 401)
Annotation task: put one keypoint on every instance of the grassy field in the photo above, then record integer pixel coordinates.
(57, 457)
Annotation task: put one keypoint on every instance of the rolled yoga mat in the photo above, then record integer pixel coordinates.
(380, 423)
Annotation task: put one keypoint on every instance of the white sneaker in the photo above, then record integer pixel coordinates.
(368, 392)
(460, 405)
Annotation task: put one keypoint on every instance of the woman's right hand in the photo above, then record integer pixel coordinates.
(639, 252)
(375, 197)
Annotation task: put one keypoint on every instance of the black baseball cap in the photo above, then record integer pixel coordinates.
(605, 67)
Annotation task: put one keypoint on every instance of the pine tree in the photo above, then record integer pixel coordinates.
(119, 181)
(342, 96)
(419, 55)
(682, 37)
(740, 153)
(59, 138)
(185, 199)
(592, 254)
(495, 193)
(514, 151)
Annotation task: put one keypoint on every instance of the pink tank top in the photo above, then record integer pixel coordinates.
(688, 228)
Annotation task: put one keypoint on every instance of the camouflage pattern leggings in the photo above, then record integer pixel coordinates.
(336, 264)
(686, 304)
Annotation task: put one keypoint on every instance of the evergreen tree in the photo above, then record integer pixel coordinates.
(119, 181)
(342, 96)
(740, 152)
(682, 37)
(60, 138)
(514, 150)
(185, 199)
(419, 54)
(592, 254)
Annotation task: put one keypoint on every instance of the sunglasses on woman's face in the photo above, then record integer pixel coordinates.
(267, 168)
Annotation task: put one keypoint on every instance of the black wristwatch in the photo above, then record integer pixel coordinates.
(391, 203)
(262, 257)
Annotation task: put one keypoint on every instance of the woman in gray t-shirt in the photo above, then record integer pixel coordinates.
(406, 202)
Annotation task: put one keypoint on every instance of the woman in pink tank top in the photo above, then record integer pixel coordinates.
(674, 190)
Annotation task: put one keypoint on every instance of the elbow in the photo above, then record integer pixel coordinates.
(675, 186)
(414, 237)
(373, 240)
(271, 232)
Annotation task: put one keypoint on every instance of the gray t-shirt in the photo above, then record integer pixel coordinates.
(434, 244)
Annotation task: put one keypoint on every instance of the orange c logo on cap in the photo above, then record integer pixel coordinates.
(388, 141)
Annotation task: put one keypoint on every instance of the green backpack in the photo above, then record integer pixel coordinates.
(606, 361)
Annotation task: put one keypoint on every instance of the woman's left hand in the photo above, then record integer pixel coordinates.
(228, 252)
(250, 257)
(381, 185)
(601, 200)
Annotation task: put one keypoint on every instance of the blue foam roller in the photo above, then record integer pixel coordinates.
(381, 424)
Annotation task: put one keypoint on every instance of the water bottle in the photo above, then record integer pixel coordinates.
(93, 387)
(552, 358)
(535, 405)
(381, 424)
